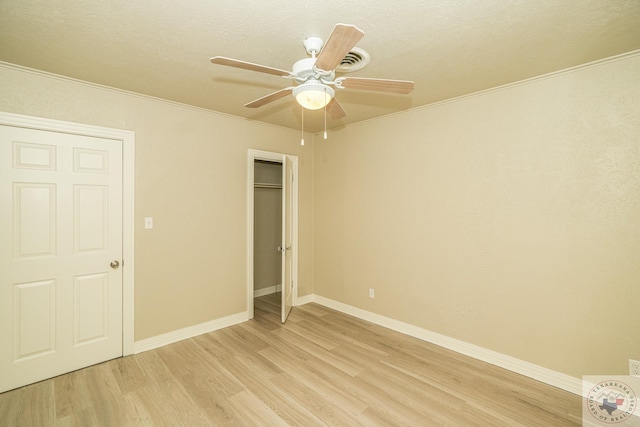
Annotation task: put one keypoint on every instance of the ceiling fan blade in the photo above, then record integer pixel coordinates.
(342, 39)
(269, 98)
(381, 85)
(230, 62)
(334, 109)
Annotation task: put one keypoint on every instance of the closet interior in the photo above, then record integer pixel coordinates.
(267, 228)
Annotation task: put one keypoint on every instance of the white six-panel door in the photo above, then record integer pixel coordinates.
(60, 253)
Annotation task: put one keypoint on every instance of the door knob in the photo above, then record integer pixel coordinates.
(115, 264)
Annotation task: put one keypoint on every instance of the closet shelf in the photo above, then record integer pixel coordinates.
(266, 185)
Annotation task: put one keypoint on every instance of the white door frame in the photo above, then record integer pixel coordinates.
(252, 156)
(128, 150)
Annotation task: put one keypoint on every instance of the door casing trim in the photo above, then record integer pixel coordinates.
(252, 156)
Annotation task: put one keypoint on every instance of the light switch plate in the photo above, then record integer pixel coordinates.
(148, 222)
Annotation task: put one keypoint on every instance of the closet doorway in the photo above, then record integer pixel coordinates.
(272, 231)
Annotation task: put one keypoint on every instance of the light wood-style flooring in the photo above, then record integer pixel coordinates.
(320, 368)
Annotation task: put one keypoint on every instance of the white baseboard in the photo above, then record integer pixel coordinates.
(305, 299)
(267, 291)
(191, 331)
(539, 373)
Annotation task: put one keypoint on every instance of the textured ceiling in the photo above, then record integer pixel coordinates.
(448, 47)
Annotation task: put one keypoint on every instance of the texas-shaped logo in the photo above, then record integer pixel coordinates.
(612, 401)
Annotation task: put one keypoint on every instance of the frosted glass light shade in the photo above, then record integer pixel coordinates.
(313, 96)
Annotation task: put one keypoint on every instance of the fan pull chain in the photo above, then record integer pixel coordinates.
(302, 128)
(325, 113)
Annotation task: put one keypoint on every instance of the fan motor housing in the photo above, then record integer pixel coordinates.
(304, 70)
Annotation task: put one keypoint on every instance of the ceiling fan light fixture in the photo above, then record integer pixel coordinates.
(313, 96)
(314, 75)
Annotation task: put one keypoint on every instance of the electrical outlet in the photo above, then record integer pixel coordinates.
(372, 293)
(634, 367)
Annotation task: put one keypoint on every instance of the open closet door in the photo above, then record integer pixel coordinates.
(287, 236)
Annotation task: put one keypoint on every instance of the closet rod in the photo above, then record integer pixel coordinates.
(265, 185)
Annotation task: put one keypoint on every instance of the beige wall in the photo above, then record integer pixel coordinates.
(191, 176)
(509, 219)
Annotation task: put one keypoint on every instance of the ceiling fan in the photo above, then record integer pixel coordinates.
(315, 76)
